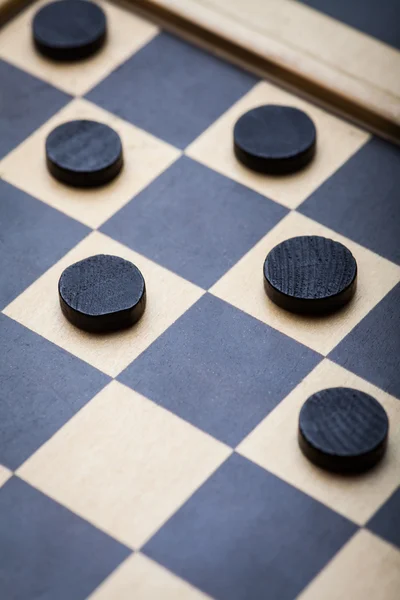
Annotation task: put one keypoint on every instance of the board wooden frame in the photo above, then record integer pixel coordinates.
(9, 8)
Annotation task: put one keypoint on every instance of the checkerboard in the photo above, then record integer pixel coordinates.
(162, 462)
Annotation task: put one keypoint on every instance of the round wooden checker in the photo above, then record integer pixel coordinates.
(69, 30)
(310, 274)
(343, 430)
(275, 140)
(84, 153)
(102, 293)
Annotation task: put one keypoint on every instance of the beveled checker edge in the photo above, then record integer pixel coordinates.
(106, 323)
(269, 166)
(347, 465)
(315, 306)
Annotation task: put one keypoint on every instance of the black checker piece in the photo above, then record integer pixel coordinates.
(69, 30)
(343, 430)
(310, 274)
(275, 140)
(102, 293)
(84, 153)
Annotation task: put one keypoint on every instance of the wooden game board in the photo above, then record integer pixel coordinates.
(162, 462)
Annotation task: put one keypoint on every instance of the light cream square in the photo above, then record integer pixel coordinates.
(142, 578)
(168, 297)
(336, 142)
(243, 287)
(366, 568)
(273, 445)
(127, 33)
(145, 157)
(124, 464)
(5, 475)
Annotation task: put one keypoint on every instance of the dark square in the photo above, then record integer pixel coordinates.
(48, 552)
(31, 240)
(361, 200)
(220, 369)
(172, 89)
(41, 387)
(25, 104)
(194, 221)
(247, 534)
(372, 348)
(386, 522)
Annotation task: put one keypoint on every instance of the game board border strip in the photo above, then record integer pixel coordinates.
(10, 8)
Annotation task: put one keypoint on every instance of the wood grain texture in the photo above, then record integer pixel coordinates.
(300, 47)
(342, 429)
(102, 293)
(310, 274)
(243, 287)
